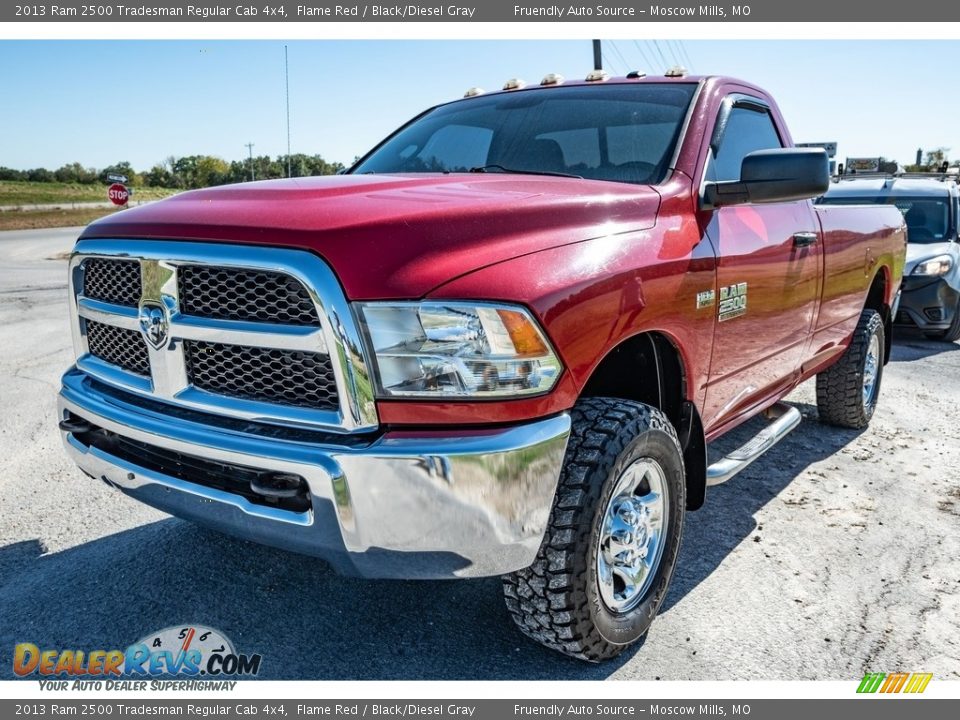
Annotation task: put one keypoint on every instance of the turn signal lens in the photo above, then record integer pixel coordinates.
(526, 339)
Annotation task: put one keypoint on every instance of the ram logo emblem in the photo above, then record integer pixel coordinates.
(154, 325)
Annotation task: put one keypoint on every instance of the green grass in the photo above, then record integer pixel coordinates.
(37, 219)
(41, 193)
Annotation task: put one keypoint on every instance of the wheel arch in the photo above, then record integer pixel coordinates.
(649, 368)
(879, 299)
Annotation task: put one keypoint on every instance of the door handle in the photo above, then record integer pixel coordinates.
(804, 239)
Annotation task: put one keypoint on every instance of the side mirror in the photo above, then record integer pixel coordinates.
(779, 175)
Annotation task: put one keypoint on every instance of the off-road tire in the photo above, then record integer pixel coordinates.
(840, 399)
(952, 333)
(556, 601)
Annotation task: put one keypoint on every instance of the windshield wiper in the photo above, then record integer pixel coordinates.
(501, 168)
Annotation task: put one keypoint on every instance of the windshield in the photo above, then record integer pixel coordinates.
(622, 133)
(928, 218)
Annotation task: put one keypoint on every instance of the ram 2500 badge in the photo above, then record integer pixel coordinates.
(498, 345)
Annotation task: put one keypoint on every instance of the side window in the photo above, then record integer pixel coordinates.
(748, 129)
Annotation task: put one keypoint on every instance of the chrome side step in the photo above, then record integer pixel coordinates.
(784, 418)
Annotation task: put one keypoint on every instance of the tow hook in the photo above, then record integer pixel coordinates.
(75, 425)
(278, 485)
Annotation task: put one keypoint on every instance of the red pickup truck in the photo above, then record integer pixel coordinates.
(498, 345)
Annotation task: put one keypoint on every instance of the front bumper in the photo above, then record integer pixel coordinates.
(928, 303)
(398, 505)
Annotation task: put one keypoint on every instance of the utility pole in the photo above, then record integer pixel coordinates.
(286, 75)
(597, 56)
(249, 147)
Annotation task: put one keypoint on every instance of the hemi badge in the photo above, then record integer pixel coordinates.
(705, 298)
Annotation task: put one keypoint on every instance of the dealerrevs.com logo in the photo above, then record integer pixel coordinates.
(192, 651)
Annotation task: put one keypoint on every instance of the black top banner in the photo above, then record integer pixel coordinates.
(488, 11)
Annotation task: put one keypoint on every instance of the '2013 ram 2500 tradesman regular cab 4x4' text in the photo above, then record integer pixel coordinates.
(498, 345)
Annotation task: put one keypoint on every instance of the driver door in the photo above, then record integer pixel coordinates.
(768, 273)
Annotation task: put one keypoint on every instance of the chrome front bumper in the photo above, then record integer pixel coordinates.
(398, 505)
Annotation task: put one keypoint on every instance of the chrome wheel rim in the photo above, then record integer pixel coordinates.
(632, 535)
(871, 368)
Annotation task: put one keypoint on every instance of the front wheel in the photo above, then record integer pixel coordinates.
(613, 536)
(848, 390)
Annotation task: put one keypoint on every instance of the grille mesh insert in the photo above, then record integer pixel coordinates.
(118, 346)
(239, 294)
(288, 377)
(112, 281)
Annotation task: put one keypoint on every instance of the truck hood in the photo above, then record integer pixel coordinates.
(396, 236)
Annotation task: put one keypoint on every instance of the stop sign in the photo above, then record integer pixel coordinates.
(118, 194)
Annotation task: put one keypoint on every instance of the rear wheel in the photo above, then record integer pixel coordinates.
(847, 392)
(613, 537)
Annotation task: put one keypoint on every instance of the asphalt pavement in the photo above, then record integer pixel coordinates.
(833, 555)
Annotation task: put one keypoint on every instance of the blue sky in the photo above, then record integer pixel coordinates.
(99, 102)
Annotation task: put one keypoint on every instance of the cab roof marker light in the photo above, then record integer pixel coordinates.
(636, 74)
(474, 91)
(676, 71)
(514, 84)
(552, 79)
(597, 76)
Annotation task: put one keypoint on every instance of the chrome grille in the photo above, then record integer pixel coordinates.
(256, 334)
(290, 377)
(124, 348)
(244, 294)
(113, 281)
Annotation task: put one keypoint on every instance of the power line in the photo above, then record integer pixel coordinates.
(647, 65)
(608, 57)
(663, 58)
(681, 55)
(683, 49)
(608, 62)
(673, 53)
(678, 46)
(619, 54)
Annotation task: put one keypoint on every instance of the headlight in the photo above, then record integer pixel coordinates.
(457, 350)
(939, 265)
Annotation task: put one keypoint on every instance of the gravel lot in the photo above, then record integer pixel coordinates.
(835, 554)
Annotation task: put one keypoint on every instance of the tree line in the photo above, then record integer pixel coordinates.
(933, 161)
(198, 171)
(185, 173)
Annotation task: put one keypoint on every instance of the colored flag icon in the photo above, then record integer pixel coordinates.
(894, 682)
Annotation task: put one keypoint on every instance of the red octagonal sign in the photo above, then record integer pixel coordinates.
(118, 194)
